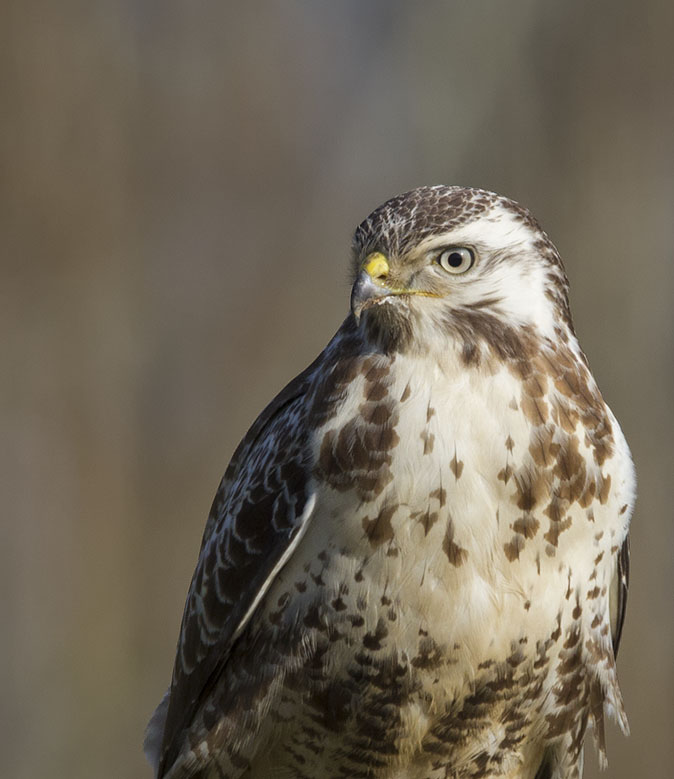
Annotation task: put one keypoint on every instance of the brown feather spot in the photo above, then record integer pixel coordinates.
(332, 704)
(313, 618)
(567, 416)
(536, 409)
(470, 354)
(375, 413)
(513, 548)
(531, 487)
(377, 391)
(429, 655)
(541, 447)
(526, 526)
(380, 440)
(505, 473)
(440, 495)
(455, 554)
(375, 369)
(536, 385)
(429, 441)
(426, 519)
(457, 467)
(588, 494)
(605, 489)
(373, 640)
(380, 530)
(555, 530)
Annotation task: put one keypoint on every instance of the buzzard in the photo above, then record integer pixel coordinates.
(416, 562)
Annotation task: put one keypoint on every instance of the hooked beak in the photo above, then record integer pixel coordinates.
(370, 283)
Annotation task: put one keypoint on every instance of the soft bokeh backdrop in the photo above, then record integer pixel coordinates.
(178, 186)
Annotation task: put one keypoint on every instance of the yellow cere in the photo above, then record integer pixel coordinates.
(376, 265)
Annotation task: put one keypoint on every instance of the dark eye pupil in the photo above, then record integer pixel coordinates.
(455, 259)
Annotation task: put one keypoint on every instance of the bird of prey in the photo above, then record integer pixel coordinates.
(416, 563)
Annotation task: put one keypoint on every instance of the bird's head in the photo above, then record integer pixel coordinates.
(457, 262)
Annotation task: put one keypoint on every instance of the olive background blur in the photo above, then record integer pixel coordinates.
(178, 187)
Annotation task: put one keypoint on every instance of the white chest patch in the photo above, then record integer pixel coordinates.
(468, 526)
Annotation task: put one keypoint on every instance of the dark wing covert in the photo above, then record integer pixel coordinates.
(257, 512)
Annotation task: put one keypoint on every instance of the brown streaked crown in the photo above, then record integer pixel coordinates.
(405, 220)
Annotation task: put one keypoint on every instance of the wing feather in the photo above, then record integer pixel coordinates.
(619, 589)
(258, 516)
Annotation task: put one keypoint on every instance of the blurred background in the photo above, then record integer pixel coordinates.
(178, 187)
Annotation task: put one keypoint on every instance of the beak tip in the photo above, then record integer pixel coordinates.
(364, 290)
(359, 294)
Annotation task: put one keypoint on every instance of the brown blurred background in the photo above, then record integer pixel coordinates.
(178, 187)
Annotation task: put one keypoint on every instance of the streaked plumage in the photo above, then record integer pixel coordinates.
(415, 565)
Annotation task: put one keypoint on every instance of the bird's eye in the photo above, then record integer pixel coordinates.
(458, 259)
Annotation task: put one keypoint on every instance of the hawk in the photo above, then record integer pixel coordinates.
(416, 562)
